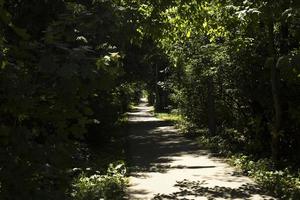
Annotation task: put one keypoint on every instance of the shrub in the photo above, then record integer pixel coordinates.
(109, 186)
(282, 183)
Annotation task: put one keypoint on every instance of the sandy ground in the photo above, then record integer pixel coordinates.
(165, 165)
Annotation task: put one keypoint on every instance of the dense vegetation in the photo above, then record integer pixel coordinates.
(235, 70)
(63, 85)
(70, 69)
(234, 76)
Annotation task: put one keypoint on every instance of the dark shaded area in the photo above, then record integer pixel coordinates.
(192, 167)
(144, 115)
(197, 189)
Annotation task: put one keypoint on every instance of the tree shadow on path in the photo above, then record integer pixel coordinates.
(197, 189)
(152, 145)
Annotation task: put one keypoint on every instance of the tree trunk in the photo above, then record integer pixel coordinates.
(275, 132)
(157, 91)
(277, 109)
(211, 106)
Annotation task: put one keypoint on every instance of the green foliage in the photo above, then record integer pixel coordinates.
(70, 69)
(63, 83)
(282, 183)
(108, 186)
(218, 78)
(173, 116)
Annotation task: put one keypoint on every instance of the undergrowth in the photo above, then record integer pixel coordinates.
(169, 116)
(110, 186)
(283, 183)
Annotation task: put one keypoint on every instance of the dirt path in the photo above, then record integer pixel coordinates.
(165, 165)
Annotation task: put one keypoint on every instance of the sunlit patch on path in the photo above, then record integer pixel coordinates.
(165, 165)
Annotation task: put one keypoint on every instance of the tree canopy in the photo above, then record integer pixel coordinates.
(69, 70)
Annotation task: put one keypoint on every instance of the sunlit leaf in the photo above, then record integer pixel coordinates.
(188, 34)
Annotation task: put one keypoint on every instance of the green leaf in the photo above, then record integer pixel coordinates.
(205, 24)
(188, 34)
